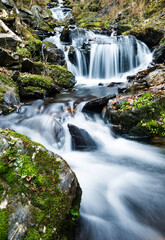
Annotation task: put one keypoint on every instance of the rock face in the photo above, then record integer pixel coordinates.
(53, 54)
(39, 193)
(81, 140)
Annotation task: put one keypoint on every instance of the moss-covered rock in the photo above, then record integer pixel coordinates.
(35, 86)
(61, 76)
(36, 202)
(9, 98)
(138, 115)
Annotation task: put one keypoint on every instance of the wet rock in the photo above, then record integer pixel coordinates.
(72, 55)
(138, 115)
(159, 54)
(65, 35)
(98, 104)
(81, 140)
(27, 198)
(44, 33)
(150, 36)
(53, 54)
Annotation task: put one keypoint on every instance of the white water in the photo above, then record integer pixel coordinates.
(107, 59)
(59, 12)
(123, 181)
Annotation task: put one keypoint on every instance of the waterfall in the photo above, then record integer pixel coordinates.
(110, 57)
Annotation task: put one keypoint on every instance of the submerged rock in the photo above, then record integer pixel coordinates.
(39, 193)
(81, 140)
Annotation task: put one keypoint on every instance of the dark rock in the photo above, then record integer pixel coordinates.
(6, 59)
(53, 54)
(81, 140)
(150, 36)
(7, 41)
(65, 35)
(27, 65)
(72, 55)
(159, 54)
(98, 104)
(131, 78)
(15, 74)
(44, 34)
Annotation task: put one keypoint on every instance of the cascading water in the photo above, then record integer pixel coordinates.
(60, 12)
(97, 57)
(123, 181)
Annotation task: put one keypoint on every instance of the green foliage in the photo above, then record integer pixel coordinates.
(143, 100)
(4, 219)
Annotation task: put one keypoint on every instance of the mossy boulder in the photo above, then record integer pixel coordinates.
(35, 86)
(61, 76)
(9, 98)
(39, 193)
(139, 115)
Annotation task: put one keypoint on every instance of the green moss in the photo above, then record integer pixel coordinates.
(4, 224)
(35, 80)
(23, 52)
(143, 100)
(61, 76)
(33, 235)
(49, 44)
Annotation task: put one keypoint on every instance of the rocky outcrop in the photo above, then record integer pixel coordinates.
(81, 140)
(35, 202)
(53, 54)
(140, 113)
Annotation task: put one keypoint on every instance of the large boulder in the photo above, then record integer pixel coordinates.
(139, 115)
(61, 76)
(35, 86)
(39, 193)
(53, 54)
(81, 140)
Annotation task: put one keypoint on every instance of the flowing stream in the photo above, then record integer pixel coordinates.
(123, 182)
